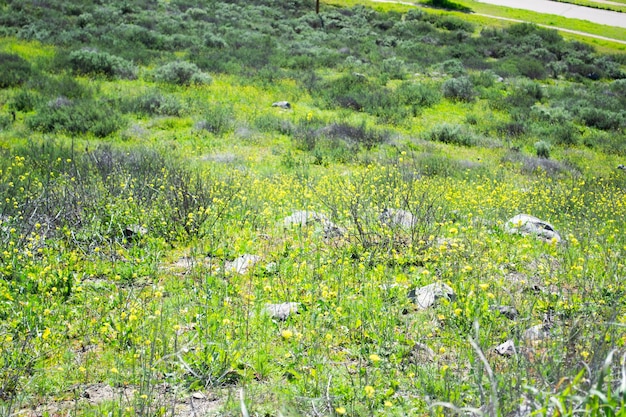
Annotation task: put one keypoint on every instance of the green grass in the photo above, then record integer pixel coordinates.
(598, 5)
(114, 267)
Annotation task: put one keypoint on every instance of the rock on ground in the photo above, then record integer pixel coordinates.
(281, 311)
(282, 104)
(506, 349)
(306, 218)
(398, 218)
(242, 264)
(526, 224)
(426, 296)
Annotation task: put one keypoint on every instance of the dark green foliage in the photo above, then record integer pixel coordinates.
(601, 119)
(181, 73)
(315, 134)
(93, 62)
(451, 134)
(542, 148)
(460, 89)
(152, 103)
(447, 4)
(14, 70)
(5, 121)
(272, 123)
(63, 115)
(453, 67)
(219, 119)
(23, 100)
(94, 205)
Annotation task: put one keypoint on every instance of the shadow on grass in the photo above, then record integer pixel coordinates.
(447, 5)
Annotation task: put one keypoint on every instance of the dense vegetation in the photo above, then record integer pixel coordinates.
(143, 165)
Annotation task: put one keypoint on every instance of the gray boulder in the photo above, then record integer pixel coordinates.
(242, 264)
(398, 218)
(281, 311)
(506, 349)
(307, 218)
(426, 296)
(525, 224)
(282, 104)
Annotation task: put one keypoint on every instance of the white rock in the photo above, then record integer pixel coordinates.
(281, 311)
(506, 349)
(534, 333)
(242, 264)
(426, 296)
(282, 104)
(304, 218)
(398, 218)
(526, 224)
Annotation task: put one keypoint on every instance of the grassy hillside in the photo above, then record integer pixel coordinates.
(174, 241)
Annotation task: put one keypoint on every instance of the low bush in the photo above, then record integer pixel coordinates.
(459, 89)
(93, 62)
(308, 134)
(601, 118)
(451, 134)
(153, 103)
(219, 119)
(14, 70)
(542, 148)
(62, 115)
(181, 73)
(24, 100)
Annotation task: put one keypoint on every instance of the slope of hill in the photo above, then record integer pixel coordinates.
(245, 208)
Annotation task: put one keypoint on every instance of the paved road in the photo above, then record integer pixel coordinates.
(603, 17)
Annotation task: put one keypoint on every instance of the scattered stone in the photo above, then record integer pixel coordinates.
(134, 232)
(306, 218)
(525, 224)
(281, 311)
(282, 104)
(421, 353)
(509, 312)
(426, 296)
(198, 396)
(506, 349)
(271, 267)
(242, 264)
(538, 332)
(398, 218)
(622, 167)
(97, 393)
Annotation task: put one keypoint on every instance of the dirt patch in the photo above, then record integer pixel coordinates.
(164, 397)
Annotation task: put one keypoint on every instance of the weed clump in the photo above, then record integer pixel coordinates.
(75, 117)
(181, 73)
(459, 89)
(452, 134)
(14, 70)
(93, 62)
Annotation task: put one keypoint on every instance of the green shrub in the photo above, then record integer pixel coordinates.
(62, 115)
(418, 95)
(601, 119)
(451, 134)
(460, 89)
(453, 67)
(14, 70)
(181, 73)
(218, 119)
(272, 123)
(153, 103)
(5, 121)
(23, 100)
(93, 62)
(542, 148)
